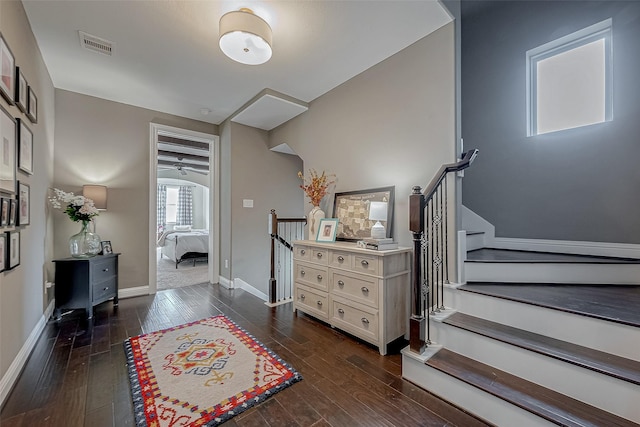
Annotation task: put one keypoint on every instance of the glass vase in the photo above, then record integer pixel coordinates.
(85, 244)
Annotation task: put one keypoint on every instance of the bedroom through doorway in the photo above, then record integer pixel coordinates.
(184, 194)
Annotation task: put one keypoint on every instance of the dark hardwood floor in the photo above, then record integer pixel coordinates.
(77, 376)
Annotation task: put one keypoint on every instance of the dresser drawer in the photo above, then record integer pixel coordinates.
(358, 321)
(103, 270)
(315, 276)
(312, 301)
(104, 290)
(365, 264)
(301, 252)
(363, 289)
(340, 259)
(321, 256)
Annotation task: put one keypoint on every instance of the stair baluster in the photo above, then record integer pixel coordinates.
(283, 231)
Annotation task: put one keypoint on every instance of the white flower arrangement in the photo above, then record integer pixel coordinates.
(79, 208)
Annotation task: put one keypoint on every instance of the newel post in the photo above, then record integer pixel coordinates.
(273, 231)
(416, 226)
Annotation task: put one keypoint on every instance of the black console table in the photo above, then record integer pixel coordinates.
(85, 282)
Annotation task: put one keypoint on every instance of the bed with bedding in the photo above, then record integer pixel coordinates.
(179, 246)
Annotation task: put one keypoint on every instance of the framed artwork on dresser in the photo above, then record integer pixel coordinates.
(327, 230)
(351, 208)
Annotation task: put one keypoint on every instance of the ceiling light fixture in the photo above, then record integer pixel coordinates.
(245, 37)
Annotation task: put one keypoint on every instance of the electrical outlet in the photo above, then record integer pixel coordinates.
(226, 263)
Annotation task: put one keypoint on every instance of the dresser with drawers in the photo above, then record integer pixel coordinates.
(85, 282)
(360, 291)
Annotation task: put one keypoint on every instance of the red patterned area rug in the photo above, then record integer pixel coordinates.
(201, 373)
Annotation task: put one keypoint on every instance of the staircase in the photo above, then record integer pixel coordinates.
(537, 347)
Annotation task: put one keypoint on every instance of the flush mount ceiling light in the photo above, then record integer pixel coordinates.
(245, 37)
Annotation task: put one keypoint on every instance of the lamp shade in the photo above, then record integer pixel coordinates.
(245, 37)
(378, 211)
(97, 193)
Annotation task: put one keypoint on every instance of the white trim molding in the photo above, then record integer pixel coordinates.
(247, 287)
(133, 292)
(620, 250)
(12, 374)
(226, 283)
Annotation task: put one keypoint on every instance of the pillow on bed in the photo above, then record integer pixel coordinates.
(181, 228)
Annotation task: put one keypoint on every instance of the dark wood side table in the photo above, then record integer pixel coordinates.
(85, 282)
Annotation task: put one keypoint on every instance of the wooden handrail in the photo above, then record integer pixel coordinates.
(463, 163)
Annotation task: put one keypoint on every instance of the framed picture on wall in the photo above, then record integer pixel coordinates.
(7, 70)
(32, 106)
(22, 88)
(351, 208)
(4, 212)
(25, 148)
(24, 208)
(7, 152)
(3, 252)
(13, 258)
(13, 212)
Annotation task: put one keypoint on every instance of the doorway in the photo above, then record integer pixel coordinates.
(184, 234)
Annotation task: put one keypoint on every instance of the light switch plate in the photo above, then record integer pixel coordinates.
(247, 203)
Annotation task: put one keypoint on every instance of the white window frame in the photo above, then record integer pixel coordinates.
(601, 30)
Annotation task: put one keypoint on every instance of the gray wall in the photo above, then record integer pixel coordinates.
(105, 142)
(22, 293)
(579, 184)
(393, 124)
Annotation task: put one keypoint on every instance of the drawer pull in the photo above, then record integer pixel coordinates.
(340, 258)
(341, 311)
(340, 283)
(105, 270)
(319, 277)
(105, 289)
(319, 254)
(302, 252)
(364, 262)
(365, 320)
(302, 272)
(302, 296)
(320, 303)
(364, 289)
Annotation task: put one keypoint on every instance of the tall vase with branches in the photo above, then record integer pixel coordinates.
(315, 186)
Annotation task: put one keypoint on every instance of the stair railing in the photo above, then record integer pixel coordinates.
(283, 231)
(428, 223)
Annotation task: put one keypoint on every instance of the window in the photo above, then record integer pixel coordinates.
(172, 205)
(569, 81)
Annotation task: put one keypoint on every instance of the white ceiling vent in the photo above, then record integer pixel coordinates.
(96, 44)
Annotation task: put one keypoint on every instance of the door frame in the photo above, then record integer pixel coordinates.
(214, 198)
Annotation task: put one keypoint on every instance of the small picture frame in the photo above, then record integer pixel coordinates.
(3, 252)
(327, 230)
(106, 247)
(4, 212)
(13, 212)
(22, 89)
(7, 71)
(7, 152)
(32, 106)
(25, 148)
(13, 249)
(24, 202)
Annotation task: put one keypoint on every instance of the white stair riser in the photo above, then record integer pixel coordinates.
(472, 399)
(610, 337)
(599, 390)
(475, 241)
(612, 274)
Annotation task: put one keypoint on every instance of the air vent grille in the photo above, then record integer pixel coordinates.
(96, 44)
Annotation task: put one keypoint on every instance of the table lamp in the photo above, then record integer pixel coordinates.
(378, 212)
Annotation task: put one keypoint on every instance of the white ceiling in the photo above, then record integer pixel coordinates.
(166, 55)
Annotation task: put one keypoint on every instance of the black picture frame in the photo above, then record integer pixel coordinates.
(32, 106)
(25, 147)
(4, 211)
(13, 212)
(351, 208)
(21, 98)
(24, 204)
(106, 247)
(3, 252)
(13, 249)
(7, 71)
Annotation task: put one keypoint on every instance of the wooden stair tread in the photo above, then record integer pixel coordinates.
(613, 303)
(548, 404)
(515, 256)
(605, 363)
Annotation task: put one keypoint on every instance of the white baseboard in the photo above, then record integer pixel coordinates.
(622, 250)
(225, 283)
(10, 377)
(239, 283)
(133, 292)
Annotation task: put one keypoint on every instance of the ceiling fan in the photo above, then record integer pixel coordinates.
(183, 169)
